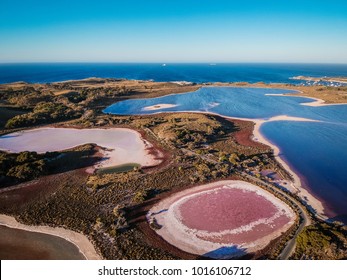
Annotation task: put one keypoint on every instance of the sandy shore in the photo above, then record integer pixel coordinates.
(158, 107)
(296, 186)
(319, 103)
(78, 239)
(315, 103)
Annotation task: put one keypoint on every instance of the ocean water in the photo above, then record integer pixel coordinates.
(316, 150)
(198, 72)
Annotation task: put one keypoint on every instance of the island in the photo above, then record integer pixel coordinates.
(341, 80)
(141, 186)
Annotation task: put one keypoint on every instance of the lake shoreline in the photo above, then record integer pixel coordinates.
(297, 186)
(113, 154)
(200, 241)
(78, 239)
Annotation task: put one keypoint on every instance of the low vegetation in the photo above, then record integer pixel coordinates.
(322, 241)
(44, 113)
(110, 207)
(56, 102)
(24, 166)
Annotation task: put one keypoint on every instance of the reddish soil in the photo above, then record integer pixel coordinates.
(244, 135)
(158, 153)
(155, 240)
(13, 199)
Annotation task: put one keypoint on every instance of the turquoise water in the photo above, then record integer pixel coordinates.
(316, 150)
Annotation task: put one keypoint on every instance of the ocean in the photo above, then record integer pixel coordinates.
(197, 72)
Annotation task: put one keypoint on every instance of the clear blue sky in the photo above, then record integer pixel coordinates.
(173, 31)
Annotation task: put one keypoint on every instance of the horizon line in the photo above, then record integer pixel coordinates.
(166, 62)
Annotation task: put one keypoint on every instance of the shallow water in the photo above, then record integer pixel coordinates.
(16, 244)
(118, 169)
(316, 150)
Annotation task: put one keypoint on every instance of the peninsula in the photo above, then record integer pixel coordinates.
(65, 163)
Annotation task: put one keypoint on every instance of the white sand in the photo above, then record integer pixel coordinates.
(316, 102)
(186, 239)
(320, 102)
(158, 107)
(182, 83)
(79, 240)
(121, 145)
(296, 185)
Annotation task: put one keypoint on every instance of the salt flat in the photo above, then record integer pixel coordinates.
(221, 220)
(121, 145)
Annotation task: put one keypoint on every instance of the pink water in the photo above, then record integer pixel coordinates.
(225, 209)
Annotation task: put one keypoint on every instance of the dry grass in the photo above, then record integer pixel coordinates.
(330, 95)
(322, 241)
(86, 204)
(63, 92)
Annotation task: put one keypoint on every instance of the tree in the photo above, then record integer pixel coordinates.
(26, 156)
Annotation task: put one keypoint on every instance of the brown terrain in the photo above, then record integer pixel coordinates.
(110, 209)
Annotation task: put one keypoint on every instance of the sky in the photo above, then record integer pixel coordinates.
(173, 31)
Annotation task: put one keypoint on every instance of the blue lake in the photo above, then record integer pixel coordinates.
(316, 150)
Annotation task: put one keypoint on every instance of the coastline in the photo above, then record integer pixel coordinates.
(79, 240)
(296, 185)
(316, 103)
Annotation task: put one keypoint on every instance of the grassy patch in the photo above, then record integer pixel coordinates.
(322, 241)
(118, 169)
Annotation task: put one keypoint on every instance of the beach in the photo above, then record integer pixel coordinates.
(296, 186)
(317, 102)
